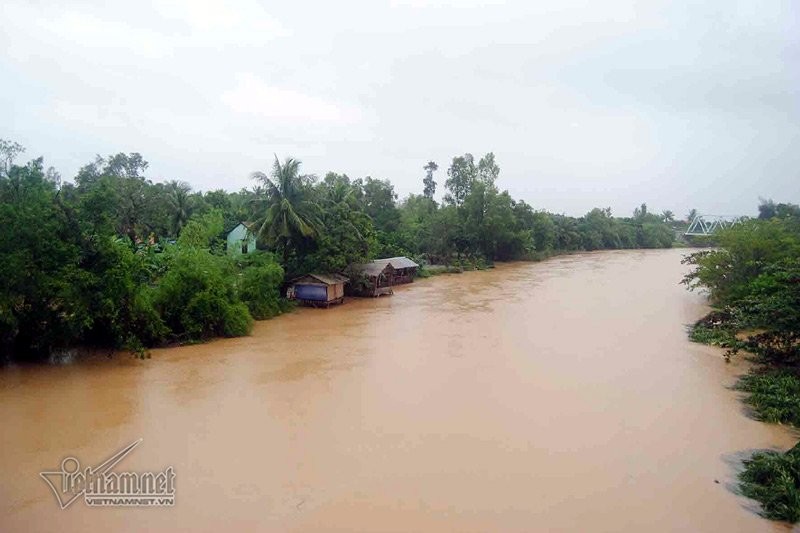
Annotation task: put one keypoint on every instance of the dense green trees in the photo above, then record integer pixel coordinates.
(42, 300)
(362, 218)
(348, 236)
(112, 258)
(753, 280)
(745, 252)
(476, 219)
(769, 209)
(83, 264)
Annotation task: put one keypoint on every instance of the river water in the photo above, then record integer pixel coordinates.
(560, 395)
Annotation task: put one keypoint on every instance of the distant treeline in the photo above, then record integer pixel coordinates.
(114, 259)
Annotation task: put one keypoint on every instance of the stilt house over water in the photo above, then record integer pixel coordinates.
(318, 290)
(380, 275)
(375, 279)
(404, 268)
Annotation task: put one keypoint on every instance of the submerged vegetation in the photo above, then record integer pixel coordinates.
(753, 280)
(773, 395)
(116, 260)
(773, 478)
(715, 329)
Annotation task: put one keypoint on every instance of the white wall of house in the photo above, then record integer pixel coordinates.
(241, 240)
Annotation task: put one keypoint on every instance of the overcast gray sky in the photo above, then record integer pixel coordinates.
(584, 103)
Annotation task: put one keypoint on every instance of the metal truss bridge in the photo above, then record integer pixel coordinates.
(704, 225)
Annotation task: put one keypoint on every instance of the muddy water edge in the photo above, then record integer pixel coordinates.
(535, 396)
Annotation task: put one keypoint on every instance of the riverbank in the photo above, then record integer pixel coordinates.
(771, 395)
(253, 288)
(466, 402)
(82, 264)
(753, 280)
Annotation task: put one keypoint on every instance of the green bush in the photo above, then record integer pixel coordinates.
(120, 298)
(716, 331)
(653, 235)
(746, 251)
(773, 395)
(202, 230)
(259, 287)
(713, 336)
(146, 326)
(773, 479)
(755, 278)
(237, 321)
(197, 297)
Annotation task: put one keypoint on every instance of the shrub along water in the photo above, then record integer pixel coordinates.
(774, 395)
(197, 297)
(773, 478)
(261, 278)
(753, 280)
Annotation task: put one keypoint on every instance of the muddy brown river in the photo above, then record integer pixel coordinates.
(560, 395)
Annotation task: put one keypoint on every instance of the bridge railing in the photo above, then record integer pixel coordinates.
(703, 225)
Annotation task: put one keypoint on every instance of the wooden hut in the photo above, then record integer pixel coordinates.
(404, 268)
(375, 279)
(318, 290)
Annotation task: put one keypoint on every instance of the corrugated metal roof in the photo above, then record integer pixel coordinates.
(250, 226)
(397, 262)
(371, 269)
(374, 268)
(329, 279)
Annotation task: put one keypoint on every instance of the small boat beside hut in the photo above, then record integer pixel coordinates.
(318, 290)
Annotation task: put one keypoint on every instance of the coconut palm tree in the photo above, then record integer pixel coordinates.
(179, 204)
(287, 216)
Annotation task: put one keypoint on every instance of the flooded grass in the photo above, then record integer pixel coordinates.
(773, 478)
(773, 395)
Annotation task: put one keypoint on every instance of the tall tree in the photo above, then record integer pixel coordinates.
(461, 176)
(288, 215)
(640, 212)
(380, 203)
(179, 204)
(429, 184)
(9, 150)
(488, 171)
